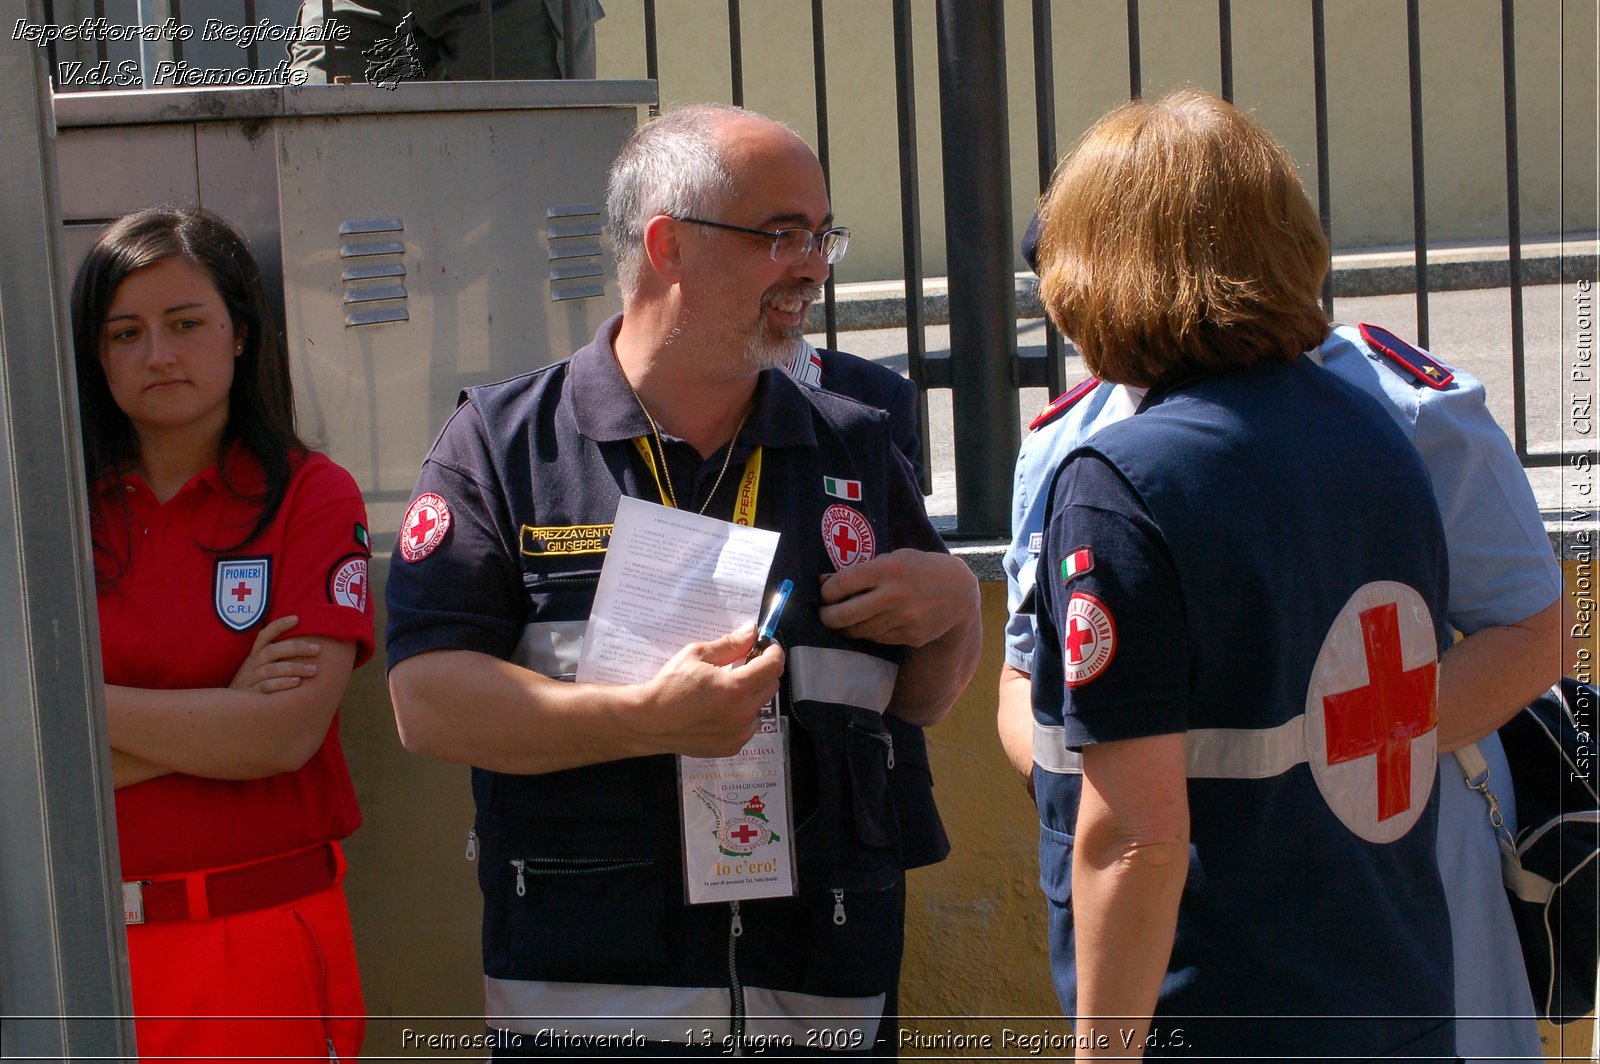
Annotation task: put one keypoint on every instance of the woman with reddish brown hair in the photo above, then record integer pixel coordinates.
(231, 578)
(1235, 684)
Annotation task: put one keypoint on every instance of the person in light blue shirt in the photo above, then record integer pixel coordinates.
(1505, 591)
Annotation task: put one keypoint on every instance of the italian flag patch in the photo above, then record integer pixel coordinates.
(1077, 563)
(849, 490)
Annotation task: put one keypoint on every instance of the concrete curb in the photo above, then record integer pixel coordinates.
(1374, 272)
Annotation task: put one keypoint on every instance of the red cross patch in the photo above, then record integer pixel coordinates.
(424, 526)
(847, 536)
(347, 584)
(1089, 641)
(1372, 711)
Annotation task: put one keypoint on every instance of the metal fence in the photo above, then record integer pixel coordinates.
(985, 370)
(984, 461)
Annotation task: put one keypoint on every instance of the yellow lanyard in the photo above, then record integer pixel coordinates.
(744, 508)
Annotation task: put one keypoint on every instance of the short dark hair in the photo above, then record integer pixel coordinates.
(1176, 239)
(261, 401)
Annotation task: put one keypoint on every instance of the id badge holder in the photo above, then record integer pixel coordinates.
(738, 828)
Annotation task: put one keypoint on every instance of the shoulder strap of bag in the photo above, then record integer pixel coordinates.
(1519, 881)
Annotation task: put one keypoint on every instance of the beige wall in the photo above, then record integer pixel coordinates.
(976, 951)
(1369, 128)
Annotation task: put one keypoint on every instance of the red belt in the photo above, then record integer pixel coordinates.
(237, 889)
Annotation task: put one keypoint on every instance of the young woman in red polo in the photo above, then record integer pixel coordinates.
(231, 571)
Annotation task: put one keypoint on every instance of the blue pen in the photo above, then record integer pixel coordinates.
(769, 625)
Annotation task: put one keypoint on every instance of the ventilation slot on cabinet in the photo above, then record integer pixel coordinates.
(373, 271)
(573, 236)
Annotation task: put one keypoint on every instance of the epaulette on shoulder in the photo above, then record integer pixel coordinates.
(1397, 353)
(1064, 402)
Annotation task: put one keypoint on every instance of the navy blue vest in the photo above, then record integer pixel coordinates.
(581, 869)
(1279, 493)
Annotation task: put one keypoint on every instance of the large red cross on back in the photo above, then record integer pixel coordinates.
(1396, 705)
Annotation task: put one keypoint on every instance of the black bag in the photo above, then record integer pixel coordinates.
(1552, 867)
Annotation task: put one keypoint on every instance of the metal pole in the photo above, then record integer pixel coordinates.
(1519, 374)
(819, 74)
(1419, 186)
(569, 38)
(905, 96)
(1135, 73)
(978, 251)
(63, 968)
(1319, 82)
(1044, 112)
(1225, 46)
(735, 53)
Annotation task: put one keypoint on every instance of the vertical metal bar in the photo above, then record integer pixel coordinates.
(736, 53)
(153, 51)
(652, 61)
(1319, 80)
(1135, 75)
(1044, 113)
(177, 42)
(1419, 187)
(569, 38)
(975, 135)
(819, 68)
(63, 968)
(905, 96)
(486, 11)
(1225, 45)
(1519, 396)
(252, 54)
(101, 52)
(50, 48)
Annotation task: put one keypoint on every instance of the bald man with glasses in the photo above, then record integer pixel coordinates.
(723, 233)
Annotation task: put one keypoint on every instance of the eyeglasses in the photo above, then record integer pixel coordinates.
(791, 247)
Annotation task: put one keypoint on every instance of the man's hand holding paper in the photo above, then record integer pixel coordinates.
(706, 700)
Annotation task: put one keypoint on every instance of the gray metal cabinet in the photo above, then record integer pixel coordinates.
(427, 238)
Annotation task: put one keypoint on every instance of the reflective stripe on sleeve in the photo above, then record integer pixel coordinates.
(550, 648)
(1211, 753)
(847, 677)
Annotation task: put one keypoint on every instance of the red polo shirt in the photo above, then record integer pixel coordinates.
(182, 616)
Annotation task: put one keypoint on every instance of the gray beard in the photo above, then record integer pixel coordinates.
(764, 353)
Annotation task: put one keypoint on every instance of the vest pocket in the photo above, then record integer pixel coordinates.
(575, 914)
(869, 749)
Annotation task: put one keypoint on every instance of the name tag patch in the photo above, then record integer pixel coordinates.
(566, 539)
(241, 590)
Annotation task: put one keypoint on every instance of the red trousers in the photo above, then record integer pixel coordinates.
(276, 983)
